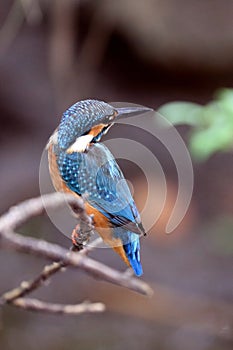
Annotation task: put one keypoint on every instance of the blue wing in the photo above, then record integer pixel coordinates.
(97, 175)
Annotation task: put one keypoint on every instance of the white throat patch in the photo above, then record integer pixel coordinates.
(81, 144)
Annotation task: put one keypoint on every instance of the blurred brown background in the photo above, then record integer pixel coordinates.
(53, 53)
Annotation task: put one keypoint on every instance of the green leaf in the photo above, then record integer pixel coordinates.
(225, 94)
(212, 124)
(182, 113)
(217, 137)
(225, 100)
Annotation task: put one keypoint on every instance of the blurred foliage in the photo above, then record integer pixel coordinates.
(212, 124)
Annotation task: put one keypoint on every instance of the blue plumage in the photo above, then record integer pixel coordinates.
(94, 173)
(131, 245)
(97, 175)
(132, 250)
(89, 112)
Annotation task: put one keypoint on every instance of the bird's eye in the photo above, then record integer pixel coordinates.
(111, 117)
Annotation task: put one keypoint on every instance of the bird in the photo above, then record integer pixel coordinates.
(81, 165)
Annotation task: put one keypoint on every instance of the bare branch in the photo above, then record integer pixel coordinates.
(27, 287)
(56, 253)
(33, 207)
(15, 295)
(37, 305)
(19, 214)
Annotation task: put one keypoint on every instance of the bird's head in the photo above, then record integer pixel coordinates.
(87, 121)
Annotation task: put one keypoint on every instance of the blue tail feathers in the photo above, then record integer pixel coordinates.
(132, 251)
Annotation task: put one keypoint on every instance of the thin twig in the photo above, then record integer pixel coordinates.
(27, 287)
(19, 214)
(37, 305)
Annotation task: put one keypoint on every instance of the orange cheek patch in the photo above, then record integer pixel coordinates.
(96, 129)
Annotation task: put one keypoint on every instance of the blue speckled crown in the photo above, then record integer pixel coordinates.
(80, 118)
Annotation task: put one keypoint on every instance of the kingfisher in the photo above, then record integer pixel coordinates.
(81, 165)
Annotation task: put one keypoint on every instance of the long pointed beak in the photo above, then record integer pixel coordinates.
(125, 112)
